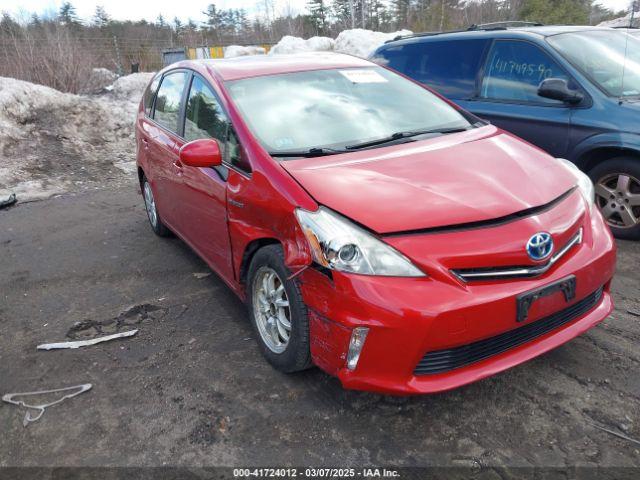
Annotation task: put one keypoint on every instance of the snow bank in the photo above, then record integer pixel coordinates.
(358, 42)
(621, 22)
(99, 79)
(53, 142)
(130, 87)
(362, 43)
(240, 51)
(289, 44)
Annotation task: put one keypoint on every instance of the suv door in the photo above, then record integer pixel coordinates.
(508, 95)
(202, 198)
(164, 144)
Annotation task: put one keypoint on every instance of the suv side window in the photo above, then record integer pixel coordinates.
(167, 106)
(514, 70)
(149, 93)
(449, 66)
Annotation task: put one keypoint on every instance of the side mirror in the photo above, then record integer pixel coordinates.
(558, 89)
(204, 152)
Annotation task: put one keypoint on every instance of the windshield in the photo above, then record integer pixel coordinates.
(600, 54)
(337, 108)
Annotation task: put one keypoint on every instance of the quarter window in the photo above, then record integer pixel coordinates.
(149, 94)
(514, 71)
(167, 106)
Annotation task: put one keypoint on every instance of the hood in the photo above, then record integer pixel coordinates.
(464, 177)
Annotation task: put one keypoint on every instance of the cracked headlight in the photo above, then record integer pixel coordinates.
(583, 181)
(338, 244)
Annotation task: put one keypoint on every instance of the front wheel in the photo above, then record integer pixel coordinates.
(278, 313)
(617, 187)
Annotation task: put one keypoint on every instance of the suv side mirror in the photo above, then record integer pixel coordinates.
(558, 89)
(204, 152)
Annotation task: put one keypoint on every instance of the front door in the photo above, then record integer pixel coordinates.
(509, 99)
(202, 199)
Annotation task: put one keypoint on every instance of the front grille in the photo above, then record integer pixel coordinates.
(440, 361)
(504, 273)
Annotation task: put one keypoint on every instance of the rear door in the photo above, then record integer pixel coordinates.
(164, 144)
(508, 95)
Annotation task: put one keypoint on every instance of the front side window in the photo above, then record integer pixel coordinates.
(167, 105)
(611, 59)
(514, 70)
(450, 67)
(204, 116)
(336, 108)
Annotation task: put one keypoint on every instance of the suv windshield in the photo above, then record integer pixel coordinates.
(600, 54)
(338, 108)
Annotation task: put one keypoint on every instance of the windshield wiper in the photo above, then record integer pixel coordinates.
(312, 152)
(401, 135)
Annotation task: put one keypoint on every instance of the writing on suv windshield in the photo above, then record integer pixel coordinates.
(324, 112)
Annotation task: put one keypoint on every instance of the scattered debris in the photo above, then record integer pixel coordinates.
(635, 314)
(10, 398)
(7, 199)
(86, 343)
(613, 432)
(200, 276)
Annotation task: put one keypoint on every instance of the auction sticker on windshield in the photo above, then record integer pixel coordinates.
(363, 76)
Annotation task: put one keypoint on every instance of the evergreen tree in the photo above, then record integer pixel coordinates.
(318, 16)
(100, 17)
(67, 15)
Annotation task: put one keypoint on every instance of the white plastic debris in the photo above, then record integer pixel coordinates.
(13, 398)
(85, 343)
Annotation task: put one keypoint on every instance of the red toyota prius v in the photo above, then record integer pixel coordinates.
(374, 229)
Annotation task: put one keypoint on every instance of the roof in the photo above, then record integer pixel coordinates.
(511, 32)
(258, 65)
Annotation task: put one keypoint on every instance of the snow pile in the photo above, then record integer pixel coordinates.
(621, 22)
(358, 42)
(52, 142)
(99, 79)
(289, 44)
(130, 87)
(240, 51)
(362, 43)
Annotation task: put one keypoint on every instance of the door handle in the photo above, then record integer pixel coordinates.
(145, 142)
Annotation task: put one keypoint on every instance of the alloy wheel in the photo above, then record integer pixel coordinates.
(271, 309)
(618, 196)
(150, 204)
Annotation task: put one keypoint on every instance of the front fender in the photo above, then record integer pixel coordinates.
(614, 140)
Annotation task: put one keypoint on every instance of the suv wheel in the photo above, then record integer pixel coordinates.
(278, 313)
(617, 186)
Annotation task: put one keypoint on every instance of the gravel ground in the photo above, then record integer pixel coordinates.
(191, 389)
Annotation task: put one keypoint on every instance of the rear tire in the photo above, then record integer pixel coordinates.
(152, 210)
(617, 185)
(278, 313)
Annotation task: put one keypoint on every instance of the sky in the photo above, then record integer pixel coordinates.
(183, 9)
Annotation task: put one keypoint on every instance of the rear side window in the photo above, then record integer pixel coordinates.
(450, 67)
(167, 106)
(149, 93)
(514, 70)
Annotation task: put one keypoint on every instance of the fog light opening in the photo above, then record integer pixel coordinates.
(358, 336)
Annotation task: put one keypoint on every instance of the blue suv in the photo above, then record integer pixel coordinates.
(572, 91)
